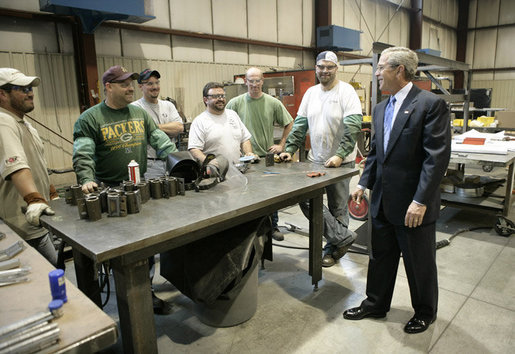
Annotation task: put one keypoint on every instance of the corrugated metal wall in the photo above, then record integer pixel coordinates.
(182, 81)
(55, 104)
(186, 64)
(492, 48)
(56, 100)
(502, 92)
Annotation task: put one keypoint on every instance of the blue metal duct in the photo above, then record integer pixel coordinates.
(93, 12)
(337, 38)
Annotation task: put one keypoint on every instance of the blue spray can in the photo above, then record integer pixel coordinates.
(57, 285)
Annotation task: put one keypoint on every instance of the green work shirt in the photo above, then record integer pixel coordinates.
(259, 116)
(106, 140)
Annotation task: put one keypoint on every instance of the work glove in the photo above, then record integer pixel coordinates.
(36, 205)
(35, 210)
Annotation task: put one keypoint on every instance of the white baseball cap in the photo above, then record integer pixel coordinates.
(327, 55)
(16, 77)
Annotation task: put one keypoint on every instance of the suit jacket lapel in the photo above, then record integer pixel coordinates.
(379, 126)
(402, 116)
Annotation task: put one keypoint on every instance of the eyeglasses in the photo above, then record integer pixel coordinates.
(150, 84)
(326, 67)
(24, 89)
(217, 96)
(252, 82)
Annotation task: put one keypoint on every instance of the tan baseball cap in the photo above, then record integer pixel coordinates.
(16, 77)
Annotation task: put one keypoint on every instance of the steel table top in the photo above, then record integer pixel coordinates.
(181, 219)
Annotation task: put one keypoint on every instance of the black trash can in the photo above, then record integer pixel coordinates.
(219, 273)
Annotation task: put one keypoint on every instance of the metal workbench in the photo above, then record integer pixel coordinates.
(84, 328)
(486, 203)
(168, 223)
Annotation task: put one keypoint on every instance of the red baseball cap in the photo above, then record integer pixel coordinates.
(118, 73)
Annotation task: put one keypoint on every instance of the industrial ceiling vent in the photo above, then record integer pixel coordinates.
(337, 38)
(93, 12)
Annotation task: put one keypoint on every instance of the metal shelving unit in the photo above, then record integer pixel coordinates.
(427, 64)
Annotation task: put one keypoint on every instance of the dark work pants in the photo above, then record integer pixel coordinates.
(275, 219)
(418, 249)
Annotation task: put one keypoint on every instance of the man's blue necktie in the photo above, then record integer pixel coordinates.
(388, 117)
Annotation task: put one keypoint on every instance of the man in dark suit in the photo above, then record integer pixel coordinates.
(408, 158)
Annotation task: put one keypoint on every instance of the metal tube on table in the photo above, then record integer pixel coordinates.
(27, 335)
(17, 326)
(165, 185)
(10, 264)
(81, 205)
(144, 191)
(173, 186)
(113, 204)
(36, 343)
(156, 190)
(123, 205)
(76, 193)
(13, 273)
(68, 195)
(103, 200)
(128, 186)
(181, 186)
(269, 159)
(93, 207)
(133, 202)
(12, 250)
(116, 204)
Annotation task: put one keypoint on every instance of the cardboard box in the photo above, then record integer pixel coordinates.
(506, 119)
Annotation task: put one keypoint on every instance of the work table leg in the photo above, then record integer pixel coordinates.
(316, 229)
(87, 277)
(509, 189)
(133, 295)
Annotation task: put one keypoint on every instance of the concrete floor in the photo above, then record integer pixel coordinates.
(476, 306)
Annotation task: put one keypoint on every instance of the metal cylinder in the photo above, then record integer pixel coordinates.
(123, 205)
(144, 191)
(76, 193)
(156, 190)
(128, 186)
(102, 195)
(68, 195)
(113, 204)
(269, 159)
(93, 207)
(81, 205)
(173, 186)
(118, 190)
(133, 202)
(165, 185)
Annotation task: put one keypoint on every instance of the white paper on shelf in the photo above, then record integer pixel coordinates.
(494, 143)
(479, 149)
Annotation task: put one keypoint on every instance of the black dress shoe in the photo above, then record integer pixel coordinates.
(417, 325)
(359, 313)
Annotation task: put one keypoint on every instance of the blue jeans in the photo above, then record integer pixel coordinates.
(45, 246)
(155, 169)
(335, 214)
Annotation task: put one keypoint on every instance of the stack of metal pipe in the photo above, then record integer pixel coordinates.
(30, 335)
